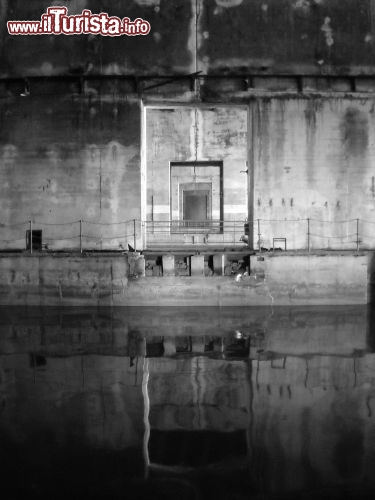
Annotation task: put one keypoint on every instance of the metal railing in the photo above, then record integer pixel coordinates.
(194, 232)
(81, 235)
(315, 234)
(77, 235)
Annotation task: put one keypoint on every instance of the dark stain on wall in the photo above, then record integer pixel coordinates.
(310, 118)
(354, 131)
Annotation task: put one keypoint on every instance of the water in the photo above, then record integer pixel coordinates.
(187, 403)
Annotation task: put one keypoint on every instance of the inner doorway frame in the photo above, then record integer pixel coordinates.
(206, 163)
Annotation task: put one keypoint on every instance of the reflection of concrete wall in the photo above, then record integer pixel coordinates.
(123, 331)
(96, 400)
(313, 422)
(309, 417)
(199, 394)
(304, 331)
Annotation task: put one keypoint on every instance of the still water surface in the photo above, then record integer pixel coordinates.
(187, 403)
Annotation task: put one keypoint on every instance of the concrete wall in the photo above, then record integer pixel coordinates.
(75, 147)
(103, 280)
(64, 159)
(313, 278)
(214, 36)
(314, 159)
(64, 280)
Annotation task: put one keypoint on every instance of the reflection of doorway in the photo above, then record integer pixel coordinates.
(196, 207)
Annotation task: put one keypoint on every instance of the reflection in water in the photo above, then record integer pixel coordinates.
(188, 404)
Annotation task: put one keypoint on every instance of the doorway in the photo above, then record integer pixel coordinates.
(196, 207)
(196, 196)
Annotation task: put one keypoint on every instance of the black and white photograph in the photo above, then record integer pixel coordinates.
(187, 249)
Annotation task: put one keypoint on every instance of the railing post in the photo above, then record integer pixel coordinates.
(143, 233)
(357, 235)
(308, 235)
(259, 234)
(135, 235)
(80, 235)
(31, 235)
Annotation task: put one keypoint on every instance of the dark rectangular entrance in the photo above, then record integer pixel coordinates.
(195, 207)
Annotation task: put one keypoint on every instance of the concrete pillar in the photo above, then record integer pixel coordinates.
(156, 271)
(198, 344)
(140, 266)
(197, 265)
(131, 262)
(137, 266)
(169, 346)
(220, 261)
(168, 265)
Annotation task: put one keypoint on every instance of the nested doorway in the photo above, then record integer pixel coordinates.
(196, 195)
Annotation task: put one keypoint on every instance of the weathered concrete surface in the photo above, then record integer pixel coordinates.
(168, 265)
(63, 160)
(312, 279)
(213, 36)
(197, 265)
(70, 148)
(67, 158)
(47, 280)
(53, 55)
(103, 280)
(313, 158)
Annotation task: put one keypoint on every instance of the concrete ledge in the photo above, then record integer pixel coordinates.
(103, 281)
(329, 278)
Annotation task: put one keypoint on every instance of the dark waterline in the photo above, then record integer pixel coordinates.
(187, 403)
